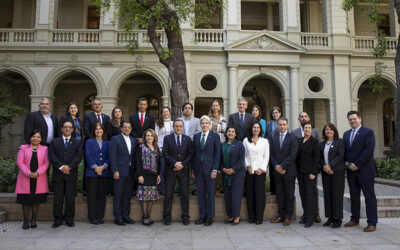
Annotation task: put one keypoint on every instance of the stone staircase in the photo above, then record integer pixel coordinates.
(3, 217)
(388, 206)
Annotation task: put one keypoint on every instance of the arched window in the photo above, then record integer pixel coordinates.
(388, 121)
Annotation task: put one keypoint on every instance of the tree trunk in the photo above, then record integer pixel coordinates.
(397, 69)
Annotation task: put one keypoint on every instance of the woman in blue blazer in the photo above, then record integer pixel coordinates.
(97, 173)
(233, 174)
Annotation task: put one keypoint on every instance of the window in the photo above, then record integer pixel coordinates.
(93, 18)
(209, 82)
(385, 25)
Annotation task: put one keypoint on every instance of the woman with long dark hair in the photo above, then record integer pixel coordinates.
(256, 112)
(113, 126)
(72, 115)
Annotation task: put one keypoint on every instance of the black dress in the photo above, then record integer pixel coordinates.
(32, 198)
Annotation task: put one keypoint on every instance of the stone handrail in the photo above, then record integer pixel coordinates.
(209, 36)
(369, 43)
(140, 36)
(17, 36)
(75, 36)
(315, 40)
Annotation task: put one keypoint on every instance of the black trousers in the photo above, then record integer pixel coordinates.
(272, 186)
(64, 190)
(97, 189)
(255, 185)
(316, 196)
(233, 194)
(333, 194)
(307, 195)
(170, 178)
(362, 181)
(285, 194)
(122, 197)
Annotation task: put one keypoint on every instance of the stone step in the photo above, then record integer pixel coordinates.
(388, 212)
(388, 201)
(8, 203)
(3, 216)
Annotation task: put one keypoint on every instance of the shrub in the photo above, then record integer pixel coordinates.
(388, 168)
(8, 174)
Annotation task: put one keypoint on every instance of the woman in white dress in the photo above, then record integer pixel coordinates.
(256, 160)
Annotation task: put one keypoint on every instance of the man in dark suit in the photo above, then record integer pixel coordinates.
(141, 120)
(241, 119)
(122, 162)
(303, 119)
(361, 169)
(94, 117)
(205, 164)
(43, 121)
(177, 152)
(283, 155)
(65, 154)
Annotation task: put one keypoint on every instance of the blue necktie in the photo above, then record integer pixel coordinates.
(66, 143)
(241, 125)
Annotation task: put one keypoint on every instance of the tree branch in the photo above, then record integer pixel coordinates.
(155, 41)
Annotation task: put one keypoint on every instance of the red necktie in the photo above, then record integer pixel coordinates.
(141, 120)
(98, 118)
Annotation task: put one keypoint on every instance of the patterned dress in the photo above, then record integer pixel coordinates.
(147, 165)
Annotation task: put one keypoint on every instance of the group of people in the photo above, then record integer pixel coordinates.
(144, 157)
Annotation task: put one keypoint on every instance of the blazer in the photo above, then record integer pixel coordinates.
(111, 130)
(287, 155)
(269, 134)
(172, 155)
(69, 118)
(137, 129)
(120, 159)
(236, 158)
(336, 155)
(206, 160)
(60, 156)
(314, 133)
(194, 126)
(307, 159)
(89, 121)
(35, 120)
(24, 163)
(95, 157)
(257, 156)
(361, 151)
(235, 121)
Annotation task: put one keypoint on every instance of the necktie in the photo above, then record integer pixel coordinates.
(66, 143)
(353, 133)
(203, 140)
(178, 143)
(241, 125)
(141, 120)
(280, 141)
(98, 118)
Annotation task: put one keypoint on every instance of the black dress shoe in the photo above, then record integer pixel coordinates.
(94, 222)
(120, 222)
(185, 221)
(228, 221)
(34, 225)
(252, 221)
(302, 221)
(259, 222)
(336, 224)
(100, 221)
(200, 221)
(167, 222)
(70, 224)
(308, 224)
(208, 222)
(25, 225)
(56, 224)
(194, 192)
(128, 220)
(328, 222)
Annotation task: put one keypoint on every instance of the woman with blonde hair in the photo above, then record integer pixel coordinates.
(148, 173)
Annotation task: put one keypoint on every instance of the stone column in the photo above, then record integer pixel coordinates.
(225, 104)
(335, 22)
(42, 25)
(293, 20)
(294, 97)
(232, 22)
(107, 26)
(270, 17)
(165, 100)
(286, 107)
(109, 102)
(332, 110)
(232, 88)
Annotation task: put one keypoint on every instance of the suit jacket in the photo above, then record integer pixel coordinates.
(287, 155)
(90, 120)
(120, 159)
(206, 160)
(172, 155)
(361, 151)
(69, 118)
(236, 157)
(35, 120)
(314, 133)
(308, 156)
(60, 156)
(234, 120)
(24, 163)
(269, 134)
(95, 156)
(194, 126)
(336, 155)
(137, 129)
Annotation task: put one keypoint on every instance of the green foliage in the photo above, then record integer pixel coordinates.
(388, 168)
(8, 110)
(8, 174)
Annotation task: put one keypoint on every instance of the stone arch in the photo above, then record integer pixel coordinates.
(361, 78)
(123, 74)
(54, 77)
(29, 76)
(278, 78)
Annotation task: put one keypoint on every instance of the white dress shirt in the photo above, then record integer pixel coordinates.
(257, 156)
(50, 127)
(205, 138)
(162, 132)
(128, 142)
(99, 115)
(69, 138)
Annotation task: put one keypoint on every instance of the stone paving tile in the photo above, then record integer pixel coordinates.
(251, 243)
(138, 232)
(392, 237)
(290, 241)
(347, 247)
(14, 243)
(213, 243)
(49, 243)
(97, 244)
(205, 233)
(381, 247)
(130, 243)
(328, 240)
(365, 239)
(169, 243)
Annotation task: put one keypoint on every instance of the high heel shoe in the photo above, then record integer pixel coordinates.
(25, 225)
(234, 223)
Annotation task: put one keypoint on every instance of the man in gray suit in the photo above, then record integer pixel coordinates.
(303, 118)
(191, 125)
